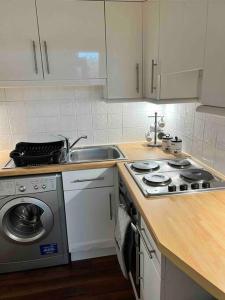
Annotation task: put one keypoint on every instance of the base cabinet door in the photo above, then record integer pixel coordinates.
(72, 35)
(150, 277)
(124, 49)
(89, 217)
(20, 57)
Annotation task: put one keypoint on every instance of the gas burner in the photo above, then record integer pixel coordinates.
(145, 166)
(179, 164)
(157, 179)
(197, 175)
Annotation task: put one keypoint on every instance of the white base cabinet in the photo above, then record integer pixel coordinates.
(161, 279)
(89, 205)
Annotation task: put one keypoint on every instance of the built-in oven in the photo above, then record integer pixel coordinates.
(133, 247)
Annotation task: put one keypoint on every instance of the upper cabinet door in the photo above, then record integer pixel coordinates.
(182, 41)
(124, 49)
(214, 71)
(174, 36)
(72, 35)
(20, 57)
(151, 48)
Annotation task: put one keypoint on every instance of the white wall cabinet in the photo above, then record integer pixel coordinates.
(20, 57)
(124, 49)
(213, 93)
(174, 35)
(72, 35)
(89, 204)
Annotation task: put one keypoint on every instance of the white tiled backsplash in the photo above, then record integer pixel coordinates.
(203, 134)
(36, 113)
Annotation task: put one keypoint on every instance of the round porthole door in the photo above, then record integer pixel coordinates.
(26, 220)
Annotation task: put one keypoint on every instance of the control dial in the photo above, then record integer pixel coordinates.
(184, 187)
(22, 188)
(195, 186)
(206, 185)
(172, 188)
(35, 187)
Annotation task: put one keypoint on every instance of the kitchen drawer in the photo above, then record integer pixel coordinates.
(87, 179)
(151, 242)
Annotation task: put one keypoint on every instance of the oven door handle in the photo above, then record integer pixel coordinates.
(136, 229)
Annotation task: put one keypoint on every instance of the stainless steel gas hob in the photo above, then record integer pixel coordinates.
(162, 177)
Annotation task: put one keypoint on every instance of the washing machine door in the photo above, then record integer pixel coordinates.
(26, 220)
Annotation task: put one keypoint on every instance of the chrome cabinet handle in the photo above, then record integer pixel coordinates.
(152, 76)
(88, 179)
(46, 57)
(110, 206)
(137, 77)
(137, 229)
(35, 57)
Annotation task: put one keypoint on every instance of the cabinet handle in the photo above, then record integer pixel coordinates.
(110, 206)
(152, 76)
(35, 57)
(88, 179)
(46, 57)
(137, 229)
(137, 78)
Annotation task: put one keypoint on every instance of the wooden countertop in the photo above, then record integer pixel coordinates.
(188, 229)
(133, 151)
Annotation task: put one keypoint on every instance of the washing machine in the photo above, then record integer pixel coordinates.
(32, 223)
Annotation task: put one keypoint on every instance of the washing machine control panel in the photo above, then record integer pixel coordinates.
(35, 185)
(7, 187)
(32, 185)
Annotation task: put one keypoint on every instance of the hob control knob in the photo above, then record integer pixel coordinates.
(172, 188)
(44, 186)
(22, 188)
(184, 187)
(195, 186)
(35, 187)
(206, 185)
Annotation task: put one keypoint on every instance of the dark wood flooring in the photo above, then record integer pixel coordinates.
(93, 279)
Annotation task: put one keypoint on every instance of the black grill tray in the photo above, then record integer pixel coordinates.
(32, 154)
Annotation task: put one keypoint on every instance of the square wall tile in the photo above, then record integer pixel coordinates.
(100, 121)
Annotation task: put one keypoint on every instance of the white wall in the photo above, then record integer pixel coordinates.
(203, 134)
(36, 113)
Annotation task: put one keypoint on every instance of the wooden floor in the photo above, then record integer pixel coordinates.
(94, 279)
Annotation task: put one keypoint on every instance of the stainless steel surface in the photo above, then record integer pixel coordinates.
(70, 146)
(46, 57)
(157, 130)
(152, 76)
(137, 77)
(35, 57)
(178, 183)
(32, 223)
(110, 206)
(88, 179)
(80, 138)
(136, 228)
(95, 153)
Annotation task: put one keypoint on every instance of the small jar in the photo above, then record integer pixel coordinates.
(176, 145)
(166, 142)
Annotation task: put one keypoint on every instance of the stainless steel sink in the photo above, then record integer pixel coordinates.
(95, 153)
